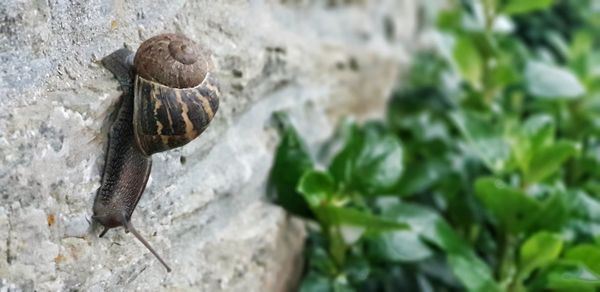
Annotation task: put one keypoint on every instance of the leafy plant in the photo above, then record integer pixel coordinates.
(483, 176)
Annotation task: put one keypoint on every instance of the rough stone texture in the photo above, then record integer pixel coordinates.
(204, 208)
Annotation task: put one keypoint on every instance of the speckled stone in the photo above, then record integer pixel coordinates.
(204, 208)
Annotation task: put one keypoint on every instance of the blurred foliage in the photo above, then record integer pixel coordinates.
(485, 175)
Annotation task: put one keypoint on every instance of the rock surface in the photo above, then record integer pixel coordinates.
(204, 208)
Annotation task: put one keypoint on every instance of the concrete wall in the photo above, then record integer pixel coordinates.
(204, 208)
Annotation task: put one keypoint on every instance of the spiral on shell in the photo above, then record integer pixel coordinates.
(175, 95)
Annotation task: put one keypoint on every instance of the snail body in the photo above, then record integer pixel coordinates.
(175, 99)
(169, 98)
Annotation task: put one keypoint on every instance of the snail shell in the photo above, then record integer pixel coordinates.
(175, 94)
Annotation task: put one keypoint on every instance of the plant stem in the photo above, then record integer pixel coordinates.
(507, 268)
(337, 247)
(489, 88)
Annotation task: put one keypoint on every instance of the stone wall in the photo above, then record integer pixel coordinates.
(204, 208)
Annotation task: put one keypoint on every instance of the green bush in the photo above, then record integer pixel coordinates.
(485, 176)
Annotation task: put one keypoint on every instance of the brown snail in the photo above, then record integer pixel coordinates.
(173, 99)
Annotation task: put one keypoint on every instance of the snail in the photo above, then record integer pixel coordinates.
(169, 98)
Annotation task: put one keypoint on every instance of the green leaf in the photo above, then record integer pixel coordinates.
(371, 161)
(398, 246)
(535, 151)
(380, 163)
(504, 74)
(317, 187)
(346, 224)
(548, 160)
(539, 250)
(320, 260)
(585, 207)
(484, 138)
(342, 216)
(427, 69)
(546, 81)
(581, 45)
(469, 62)
(472, 272)
(357, 268)
(525, 6)
(341, 285)
(526, 139)
(449, 19)
(539, 129)
(585, 214)
(572, 277)
(315, 282)
(468, 268)
(587, 254)
(291, 160)
(513, 209)
(555, 211)
(422, 175)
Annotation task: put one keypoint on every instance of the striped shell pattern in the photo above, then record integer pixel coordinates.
(175, 96)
